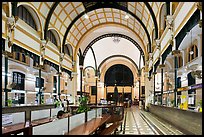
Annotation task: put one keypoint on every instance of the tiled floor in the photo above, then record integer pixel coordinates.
(139, 122)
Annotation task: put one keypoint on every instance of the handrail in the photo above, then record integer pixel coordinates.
(17, 109)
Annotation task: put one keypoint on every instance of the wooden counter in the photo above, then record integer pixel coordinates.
(16, 129)
(90, 126)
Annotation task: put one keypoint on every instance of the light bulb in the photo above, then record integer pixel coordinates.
(126, 16)
(86, 16)
(191, 52)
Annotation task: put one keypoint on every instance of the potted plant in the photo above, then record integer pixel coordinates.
(83, 105)
(57, 103)
(9, 101)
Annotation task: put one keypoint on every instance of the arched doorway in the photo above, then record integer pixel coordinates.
(119, 82)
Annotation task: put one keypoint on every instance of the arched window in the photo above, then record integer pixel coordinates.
(163, 14)
(192, 52)
(25, 15)
(51, 37)
(68, 50)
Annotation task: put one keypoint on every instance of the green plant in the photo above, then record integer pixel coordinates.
(57, 103)
(200, 102)
(83, 106)
(9, 101)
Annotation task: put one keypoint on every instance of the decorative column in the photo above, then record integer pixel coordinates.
(6, 77)
(139, 74)
(175, 53)
(96, 77)
(160, 66)
(199, 6)
(74, 84)
(42, 58)
(154, 73)
(11, 24)
(81, 69)
(162, 83)
(106, 91)
(139, 87)
(60, 72)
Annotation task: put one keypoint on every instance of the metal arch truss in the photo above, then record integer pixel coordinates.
(111, 35)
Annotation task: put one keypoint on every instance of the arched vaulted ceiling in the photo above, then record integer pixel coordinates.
(67, 17)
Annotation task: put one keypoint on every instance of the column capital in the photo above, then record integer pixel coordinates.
(81, 67)
(149, 78)
(158, 43)
(200, 23)
(40, 66)
(151, 56)
(43, 44)
(11, 24)
(199, 5)
(61, 58)
(59, 73)
(6, 53)
(73, 63)
(176, 52)
(154, 73)
(169, 21)
(161, 66)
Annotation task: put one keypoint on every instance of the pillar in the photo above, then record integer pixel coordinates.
(81, 69)
(96, 90)
(40, 87)
(139, 88)
(6, 78)
(176, 54)
(11, 23)
(162, 81)
(59, 93)
(154, 73)
(74, 85)
(42, 56)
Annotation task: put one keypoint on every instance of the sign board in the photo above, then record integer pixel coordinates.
(7, 119)
(184, 103)
(183, 88)
(196, 86)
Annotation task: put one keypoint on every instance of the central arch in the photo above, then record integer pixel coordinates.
(111, 35)
(120, 75)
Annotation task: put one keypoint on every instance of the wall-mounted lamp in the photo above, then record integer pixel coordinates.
(191, 52)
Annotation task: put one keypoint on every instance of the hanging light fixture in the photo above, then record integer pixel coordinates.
(86, 16)
(126, 16)
(116, 39)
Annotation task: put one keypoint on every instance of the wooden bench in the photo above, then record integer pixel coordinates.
(112, 128)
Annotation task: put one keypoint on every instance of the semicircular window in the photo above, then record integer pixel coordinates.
(51, 37)
(68, 50)
(25, 15)
(120, 75)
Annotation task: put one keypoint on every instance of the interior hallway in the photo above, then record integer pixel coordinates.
(139, 122)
